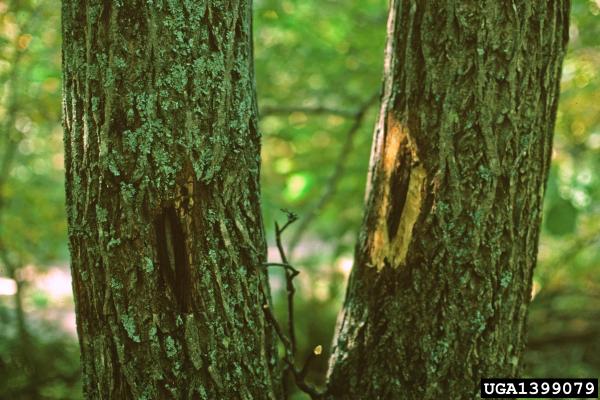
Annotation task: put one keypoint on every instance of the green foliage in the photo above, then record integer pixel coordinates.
(32, 218)
(561, 217)
(37, 360)
(309, 54)
(563, 323)
(317, 54)
(42, 365)
(312, 54)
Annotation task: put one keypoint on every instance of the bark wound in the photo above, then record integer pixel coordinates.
(172, 258)
(477, 96)
(400, 191)
(166, 98)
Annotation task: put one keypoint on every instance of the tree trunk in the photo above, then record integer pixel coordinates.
(442, 279)
(162, 160)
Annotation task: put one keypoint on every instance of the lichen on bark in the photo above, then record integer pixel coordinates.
(470, 97)
(162, 169)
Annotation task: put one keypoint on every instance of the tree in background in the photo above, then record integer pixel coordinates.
(32, 220)
(312, 63)
(295, 133)
(162, 167)
(443, 268)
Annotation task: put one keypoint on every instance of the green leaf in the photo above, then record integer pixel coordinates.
(561, 218)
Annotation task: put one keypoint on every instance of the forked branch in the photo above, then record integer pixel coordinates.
(289, 342)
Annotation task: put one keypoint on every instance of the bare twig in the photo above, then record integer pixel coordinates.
(289, 342)
(307, 388)
(559, 340)
(313, 354)
(284, 339)
(287, 267)
(317, 110)
(338, 171)
(289, 277)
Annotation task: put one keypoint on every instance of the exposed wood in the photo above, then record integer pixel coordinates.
(162, 159)
(439, 291)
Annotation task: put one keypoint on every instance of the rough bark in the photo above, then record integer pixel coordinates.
(439, 291)
(162, 168)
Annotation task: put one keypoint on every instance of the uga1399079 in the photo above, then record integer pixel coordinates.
(533, 388)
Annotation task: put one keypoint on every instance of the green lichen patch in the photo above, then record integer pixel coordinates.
(129, 324)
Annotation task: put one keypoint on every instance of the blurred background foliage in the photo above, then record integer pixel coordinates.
(318, 65)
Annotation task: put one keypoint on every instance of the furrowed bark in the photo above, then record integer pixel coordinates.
(162, 160)
(439, 291)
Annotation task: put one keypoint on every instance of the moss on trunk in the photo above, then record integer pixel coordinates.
(162, 168)
(442, 279)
